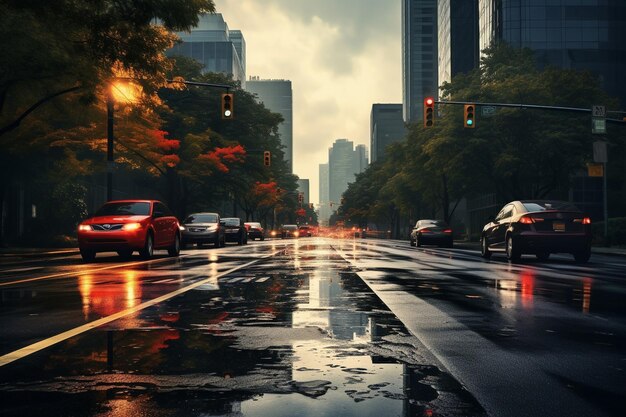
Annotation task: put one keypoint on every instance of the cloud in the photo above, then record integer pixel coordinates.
(342, 56)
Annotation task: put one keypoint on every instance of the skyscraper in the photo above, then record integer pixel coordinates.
(343, 163)
(303, 187)
(457, 37)
(277, 96)
(419, 56)
(324, 191)
(213, 45)
(386, 127)
(573, 34)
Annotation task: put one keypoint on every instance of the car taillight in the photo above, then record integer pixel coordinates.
(426, 231)
(526, 220)
(584, 220)
(131, 226)
(448, 231)
(84, 228)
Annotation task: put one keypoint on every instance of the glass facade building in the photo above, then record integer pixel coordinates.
(419, 56)
(386, 127)
(572, 34)
(457, 38)
(277, 96)
(213, 45)
(303, 187)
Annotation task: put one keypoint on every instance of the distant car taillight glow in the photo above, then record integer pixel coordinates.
(131, 226)
(448, 231)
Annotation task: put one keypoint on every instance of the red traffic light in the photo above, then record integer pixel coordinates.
(267, 159)
(429, 112)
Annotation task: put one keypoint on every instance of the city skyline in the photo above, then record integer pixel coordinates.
(333, 64)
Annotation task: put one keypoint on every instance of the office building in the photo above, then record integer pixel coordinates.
(213, 45)
(419, 56)
(386, 127)
(277, 96)
(572, 34)
(343, 163)
(457, 38)
(303, 187)
(324, 195)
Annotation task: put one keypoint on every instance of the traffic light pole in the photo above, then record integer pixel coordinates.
(528, 106)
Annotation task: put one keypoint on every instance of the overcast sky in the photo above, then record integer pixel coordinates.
(341, 56)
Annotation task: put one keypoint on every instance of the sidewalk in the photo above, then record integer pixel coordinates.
(12, 251)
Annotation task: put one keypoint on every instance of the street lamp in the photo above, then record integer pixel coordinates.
(116, 92)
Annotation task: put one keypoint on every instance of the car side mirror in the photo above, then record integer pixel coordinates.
(222, 223)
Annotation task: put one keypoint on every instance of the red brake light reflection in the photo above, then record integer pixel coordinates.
(448, 231)
(587, 220)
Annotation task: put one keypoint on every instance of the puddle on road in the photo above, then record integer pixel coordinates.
(311, 339)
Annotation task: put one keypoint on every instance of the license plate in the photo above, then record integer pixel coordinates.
(558, 226)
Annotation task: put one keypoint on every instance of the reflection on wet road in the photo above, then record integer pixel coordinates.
(218, 332)
(534, 338)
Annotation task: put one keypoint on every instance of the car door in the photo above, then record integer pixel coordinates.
(160, 223)
(503, 222)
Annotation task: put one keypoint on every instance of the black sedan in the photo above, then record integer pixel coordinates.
(200, 228)
(431, 232)
(234, 230)
(538, 227)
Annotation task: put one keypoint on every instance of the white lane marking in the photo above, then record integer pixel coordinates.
(248, 279)
(46, 343)
(23, 269)
(262, 279)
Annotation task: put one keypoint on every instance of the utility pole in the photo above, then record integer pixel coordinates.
(110, 138)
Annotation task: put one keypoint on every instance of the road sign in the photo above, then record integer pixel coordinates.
(598, 126)
(599, 152)
(487, 111)
(598, 111)
(595, 170)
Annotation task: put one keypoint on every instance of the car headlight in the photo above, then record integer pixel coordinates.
(181, 227)
(84, 228)
(131, 226)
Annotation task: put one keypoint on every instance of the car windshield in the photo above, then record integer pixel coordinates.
(231, 222)
(548, 205)
(201, 218)
(124, 209)
(290, 227)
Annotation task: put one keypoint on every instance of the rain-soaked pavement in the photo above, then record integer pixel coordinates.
(296, 333)
(313, 327)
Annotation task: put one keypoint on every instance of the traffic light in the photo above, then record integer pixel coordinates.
(227, 105)
(300, 197)
(267, 158)
(469, 120)
(429, 112)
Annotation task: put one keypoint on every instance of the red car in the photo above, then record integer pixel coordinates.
(126, 226)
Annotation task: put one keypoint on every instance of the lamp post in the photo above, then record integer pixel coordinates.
(110, 138)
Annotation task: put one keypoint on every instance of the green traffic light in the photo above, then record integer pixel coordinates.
(470, 122)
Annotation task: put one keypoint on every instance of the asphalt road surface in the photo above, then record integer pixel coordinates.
(312, 327)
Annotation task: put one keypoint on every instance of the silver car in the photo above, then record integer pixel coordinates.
(200, 228)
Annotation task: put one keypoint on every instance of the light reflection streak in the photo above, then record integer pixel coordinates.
(528, 288)
(586, 294)
(507, 290)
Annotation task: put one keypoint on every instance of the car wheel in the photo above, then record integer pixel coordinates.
(87, 255)
(240, 241)
(262, 238)
(450, 244)
(543, 256)
(148, 247)
(417, 241)
(484, 248)
(223, 242)
(125, 254)
(582, 256)
(217, 242)
(513, 253)
(411, 242)
(174, 250)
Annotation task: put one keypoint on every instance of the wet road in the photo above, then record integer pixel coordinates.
(312, 327)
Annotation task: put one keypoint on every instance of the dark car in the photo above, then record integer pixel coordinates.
(255, 230)
(431, 232)
(538, 227)
(289, 230)
(126, 226)
(200, 228)
(234, 230)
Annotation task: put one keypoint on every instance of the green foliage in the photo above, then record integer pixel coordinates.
(616, 232)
